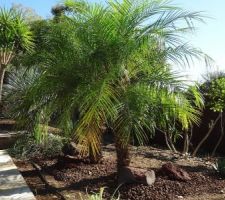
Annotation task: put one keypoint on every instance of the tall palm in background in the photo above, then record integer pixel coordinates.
(15, 38)
(110, 65)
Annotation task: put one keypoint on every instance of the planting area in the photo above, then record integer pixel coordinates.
(73, 178)
(80, 87)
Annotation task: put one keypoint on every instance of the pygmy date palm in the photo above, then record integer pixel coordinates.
(110, 64)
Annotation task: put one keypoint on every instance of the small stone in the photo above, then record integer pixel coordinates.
(90, 173)
(180, 197)
(136, 175)
(150, 177)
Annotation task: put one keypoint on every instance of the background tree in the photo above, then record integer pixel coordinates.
(214, 92)
(28, 13)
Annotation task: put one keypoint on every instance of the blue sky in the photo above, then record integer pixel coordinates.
(210, 37)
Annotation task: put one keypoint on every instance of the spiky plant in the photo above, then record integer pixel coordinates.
(14, 92)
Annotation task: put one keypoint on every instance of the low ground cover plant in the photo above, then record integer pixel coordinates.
(27, 147)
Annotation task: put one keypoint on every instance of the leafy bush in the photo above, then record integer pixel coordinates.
(27, 147)
(214, 92)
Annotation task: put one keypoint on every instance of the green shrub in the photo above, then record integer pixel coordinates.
(27, 147)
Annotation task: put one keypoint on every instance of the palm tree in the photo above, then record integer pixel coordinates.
(15, 38)
(110, 63)
(135, 40)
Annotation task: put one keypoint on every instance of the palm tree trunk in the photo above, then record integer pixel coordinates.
(123, 154)
(206, 136)
(221, 136)
(2, 74)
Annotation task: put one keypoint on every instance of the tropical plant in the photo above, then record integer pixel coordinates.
(196, 99)
(15, 38)
(110, 65)
(172, 124)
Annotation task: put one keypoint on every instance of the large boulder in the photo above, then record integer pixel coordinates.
(174, 172)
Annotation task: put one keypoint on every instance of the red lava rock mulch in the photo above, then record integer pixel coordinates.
(90, 177)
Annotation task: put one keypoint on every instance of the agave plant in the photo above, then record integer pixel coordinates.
(110, 64)
(14, 92)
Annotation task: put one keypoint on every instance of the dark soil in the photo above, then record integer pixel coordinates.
(78, 176)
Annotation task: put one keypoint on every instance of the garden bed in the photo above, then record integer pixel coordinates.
(70, 179)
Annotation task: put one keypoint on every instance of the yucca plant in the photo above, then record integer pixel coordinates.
(171, 124)
(15, 37)
(110, 65)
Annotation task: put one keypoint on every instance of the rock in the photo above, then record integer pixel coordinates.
(136, 175)
(70, 149)
(174, 172)
(150, 177)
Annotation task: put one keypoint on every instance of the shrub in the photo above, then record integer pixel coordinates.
(27, 147)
